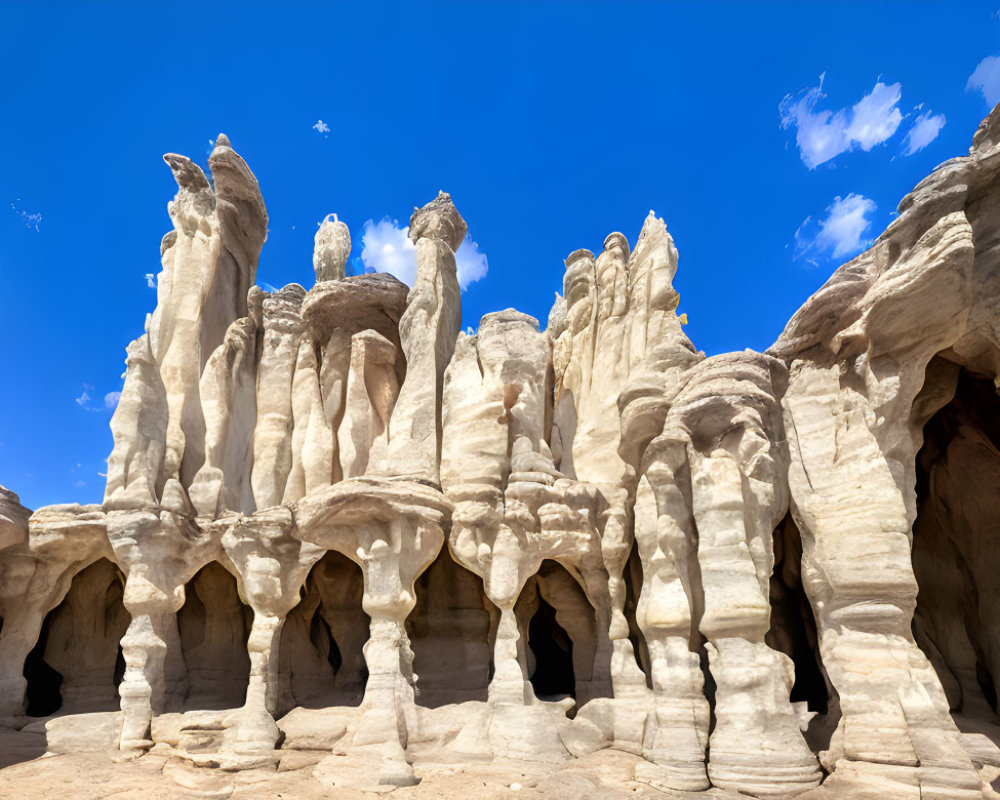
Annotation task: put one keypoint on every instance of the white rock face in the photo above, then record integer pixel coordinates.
(338, 530)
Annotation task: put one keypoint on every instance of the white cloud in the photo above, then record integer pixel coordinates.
(840, 233)
(83, 399)
(111, 399)
(387, 248)
(150, 280)
(471, 264)
(822, 135)
(924, 130)
(80, 484)
(986, 79)
(321, 126)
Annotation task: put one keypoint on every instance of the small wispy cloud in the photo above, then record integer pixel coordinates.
(30, 220)
(386, 247)
(150, 280)
(840, 233)
(86, 400)
(985, 78)
(822, 135)
(321, 127)
(922, 132)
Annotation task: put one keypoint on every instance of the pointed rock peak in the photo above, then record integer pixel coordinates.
(653, 228)
(188, 175)
(222, 141)
(439, 219)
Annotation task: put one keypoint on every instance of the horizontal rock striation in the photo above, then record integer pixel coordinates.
(335, 522)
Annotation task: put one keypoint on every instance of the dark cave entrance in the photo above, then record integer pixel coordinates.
(956, 540)
(321, 654)
(452, 629)
(553, 676)
(558, 643)
(44, 693)
(793, 626)
(214, 626)
(77, 664)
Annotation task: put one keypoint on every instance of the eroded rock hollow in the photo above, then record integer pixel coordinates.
(335, 522)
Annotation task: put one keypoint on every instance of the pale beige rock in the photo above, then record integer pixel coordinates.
(427, 332)
(372, 388)
(346, 544)
(332, 247)
(860, 392)
(272, 436)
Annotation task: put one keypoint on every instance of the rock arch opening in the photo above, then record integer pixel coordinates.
(76, 664)
(956, 544)
(452, 629)
(214, 625)
(321, 655)
(558, 634)
(793, 626)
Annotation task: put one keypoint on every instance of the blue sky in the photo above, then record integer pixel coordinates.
(774, 139)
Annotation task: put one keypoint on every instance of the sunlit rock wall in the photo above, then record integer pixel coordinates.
(334, 521)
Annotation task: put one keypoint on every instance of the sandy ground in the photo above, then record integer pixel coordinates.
(28, 775)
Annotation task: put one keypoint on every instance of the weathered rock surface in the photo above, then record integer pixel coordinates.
(345, 543)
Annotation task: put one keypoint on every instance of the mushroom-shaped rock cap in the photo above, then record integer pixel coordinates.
(375, 301)
(617, 240)
(332, 246)
(439, 219)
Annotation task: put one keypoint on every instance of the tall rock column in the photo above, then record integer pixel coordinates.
(619, 332)
(272, 438)
(669, 606)
(209, 264)
(273, 565)
(738, 462)
(393, 530)
(427, 329)
(711, 494)
(159, 553)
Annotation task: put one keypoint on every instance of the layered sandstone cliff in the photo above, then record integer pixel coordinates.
(335, 522)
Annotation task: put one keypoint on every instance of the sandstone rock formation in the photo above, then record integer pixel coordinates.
(335, 524)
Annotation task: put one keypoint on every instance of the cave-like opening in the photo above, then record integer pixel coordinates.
(214, 626)
(793, 626)
(559, 634)
(76, 665)
(553, 675)
(321, 653)
(956, 545)
(451, 629)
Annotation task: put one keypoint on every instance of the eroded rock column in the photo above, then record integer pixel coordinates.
(273, 564)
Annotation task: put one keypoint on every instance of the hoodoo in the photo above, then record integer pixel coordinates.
(335, 523)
